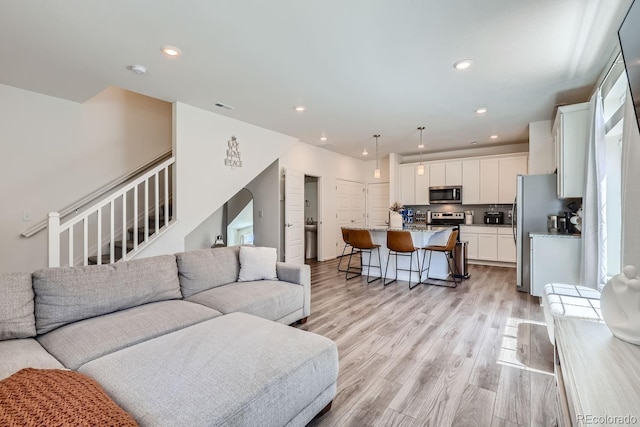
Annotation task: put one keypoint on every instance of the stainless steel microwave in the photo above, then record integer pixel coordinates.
(445, 195)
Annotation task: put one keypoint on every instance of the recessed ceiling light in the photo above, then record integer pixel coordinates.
(482, 110)
(300, 108)
(473, 142)
(494, 137)
(171, 51)
(463, 64)
(365, 152)
(323, 138)
(420, 145)
(137, 69)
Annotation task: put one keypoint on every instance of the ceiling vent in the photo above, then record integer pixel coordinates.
(225, 106)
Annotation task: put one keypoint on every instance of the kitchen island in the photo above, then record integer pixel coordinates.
(423, 236)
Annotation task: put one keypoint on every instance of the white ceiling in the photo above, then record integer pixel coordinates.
(359, 66)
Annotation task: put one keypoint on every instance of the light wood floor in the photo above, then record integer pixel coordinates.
(477, 355)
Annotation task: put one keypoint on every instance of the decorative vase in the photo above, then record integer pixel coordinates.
(620, 305)
(395, 220)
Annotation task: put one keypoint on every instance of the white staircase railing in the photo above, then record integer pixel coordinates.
(130, 206)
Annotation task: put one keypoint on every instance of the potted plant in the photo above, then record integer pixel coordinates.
(395, 218)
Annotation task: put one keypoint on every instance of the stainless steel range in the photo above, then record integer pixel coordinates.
(447, 218)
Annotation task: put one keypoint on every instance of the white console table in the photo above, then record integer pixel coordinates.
(598, 375)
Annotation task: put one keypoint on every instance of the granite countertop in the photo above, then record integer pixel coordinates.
(418, 229)
(555, 235)
(487, 225)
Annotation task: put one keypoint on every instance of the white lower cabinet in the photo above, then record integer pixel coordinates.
(472, 244)
(506, 248)
(486, 243)
(555, 258)
(488, 247)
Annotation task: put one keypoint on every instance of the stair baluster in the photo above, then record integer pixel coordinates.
(130, 238)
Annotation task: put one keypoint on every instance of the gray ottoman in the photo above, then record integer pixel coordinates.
(236, 369)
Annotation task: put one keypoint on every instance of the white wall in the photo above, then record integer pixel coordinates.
(204, 235)
(310, 198)
(541, 149)
(266, 208)
(265, 189)
(203, 181)
(472, 151)
(328, 166)
(55, 152)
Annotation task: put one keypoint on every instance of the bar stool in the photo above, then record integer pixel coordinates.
(401, 243)
(345, 238)
(448, 253)
(361, 240)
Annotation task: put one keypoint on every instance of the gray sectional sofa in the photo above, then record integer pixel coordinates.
(175, 340)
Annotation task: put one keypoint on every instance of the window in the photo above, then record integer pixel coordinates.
(613, 104)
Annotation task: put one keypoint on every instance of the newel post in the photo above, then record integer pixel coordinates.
(54, 239)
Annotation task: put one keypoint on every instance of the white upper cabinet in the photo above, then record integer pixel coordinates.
(489, 181)
(485, 180)
(508, 169)
(407, 184)
(571, 134)
(471, 182)
(422, 187)
(445, 173)
(453, 173)
(437, 174)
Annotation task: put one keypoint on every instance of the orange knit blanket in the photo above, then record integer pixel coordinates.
(55, 397)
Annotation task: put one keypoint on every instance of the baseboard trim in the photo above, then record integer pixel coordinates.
(492, 263)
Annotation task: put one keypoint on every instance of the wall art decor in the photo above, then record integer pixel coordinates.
(233, 153)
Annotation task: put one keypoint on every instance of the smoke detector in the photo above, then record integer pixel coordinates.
(137, 69)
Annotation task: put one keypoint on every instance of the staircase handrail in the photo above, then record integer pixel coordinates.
(104, 202)
(56, 228)
(74, 207)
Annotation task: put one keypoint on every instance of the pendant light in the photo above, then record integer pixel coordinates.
(376, 172)
(420, 168)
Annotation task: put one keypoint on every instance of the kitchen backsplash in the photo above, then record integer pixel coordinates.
(478, 210)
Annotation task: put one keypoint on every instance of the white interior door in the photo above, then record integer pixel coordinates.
(357, 204)
(294, 216)
(377, 204)
(343, 211)
(350, 203)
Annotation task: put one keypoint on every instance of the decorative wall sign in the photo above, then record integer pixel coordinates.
(233, 153)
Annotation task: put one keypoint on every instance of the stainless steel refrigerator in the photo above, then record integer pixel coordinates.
(536, 198)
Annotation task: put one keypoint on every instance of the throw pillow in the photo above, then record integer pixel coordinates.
(257, 263)
(16, 306)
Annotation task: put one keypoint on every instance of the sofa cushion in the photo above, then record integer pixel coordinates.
(257, 263)
(77, 343)
(24, 353)
(16, 306)
(235, 370)
(68, 294)
(207, 268)
(269, 299)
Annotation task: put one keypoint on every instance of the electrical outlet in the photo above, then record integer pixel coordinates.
(26, 216)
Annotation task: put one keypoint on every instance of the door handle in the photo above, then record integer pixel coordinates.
(514, 218)
(288, 225)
